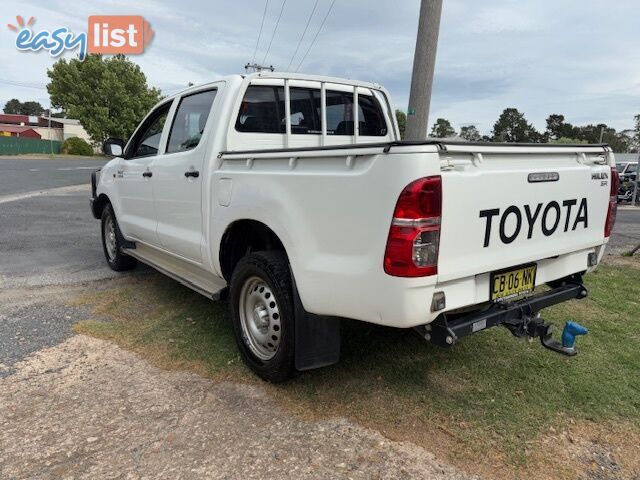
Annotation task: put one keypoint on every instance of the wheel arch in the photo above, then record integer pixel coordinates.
(242, 237)
(98, 204)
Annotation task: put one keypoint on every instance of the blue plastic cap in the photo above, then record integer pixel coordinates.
(570, 332)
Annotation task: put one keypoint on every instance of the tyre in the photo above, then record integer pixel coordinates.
(261, 303)
(111, 242)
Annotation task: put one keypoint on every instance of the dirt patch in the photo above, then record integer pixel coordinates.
(622, 261)
(88, 409)
(595, 451)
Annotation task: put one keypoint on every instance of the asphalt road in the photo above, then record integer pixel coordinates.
(49, 248)
(21, 175)
(626, 233)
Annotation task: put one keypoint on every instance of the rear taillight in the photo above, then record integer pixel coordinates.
(613, 202)
(412, 246)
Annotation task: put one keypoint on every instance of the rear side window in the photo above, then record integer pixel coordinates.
(371, 119)
(189, 121)
(340, 115)
(262, 110)
(305, 110)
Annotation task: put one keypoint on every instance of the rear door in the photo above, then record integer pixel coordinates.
(178, 176)
(512, 206)
(137, 217)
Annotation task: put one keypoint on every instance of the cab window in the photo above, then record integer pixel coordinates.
(304, 109)
(189, 121)
(340, 115)
(147, 141)
(263, 111)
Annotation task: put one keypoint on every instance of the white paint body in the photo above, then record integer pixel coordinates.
(332, 208)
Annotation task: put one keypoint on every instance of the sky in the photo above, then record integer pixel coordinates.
(579, 58)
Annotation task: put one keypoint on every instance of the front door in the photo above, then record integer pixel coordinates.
(178, 177)
(137, 217)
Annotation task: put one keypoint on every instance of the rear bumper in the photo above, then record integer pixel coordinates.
(446, 329)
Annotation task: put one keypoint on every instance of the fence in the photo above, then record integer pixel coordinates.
(17, 146)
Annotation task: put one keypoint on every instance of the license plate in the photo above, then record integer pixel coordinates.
(507, 284)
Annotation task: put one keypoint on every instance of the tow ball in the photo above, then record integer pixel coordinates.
(569, 333)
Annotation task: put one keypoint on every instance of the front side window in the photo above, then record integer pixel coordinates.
(147, 141)
(189, 121)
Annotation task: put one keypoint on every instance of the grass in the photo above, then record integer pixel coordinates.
(491, 392)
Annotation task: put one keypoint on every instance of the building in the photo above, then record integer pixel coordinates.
(18, 131)
(72, 128)
(45, 128)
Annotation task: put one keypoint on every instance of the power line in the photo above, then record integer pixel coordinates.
(274, 31)
(316, 36)
(21, 84)
(303, 34)
(264, 14)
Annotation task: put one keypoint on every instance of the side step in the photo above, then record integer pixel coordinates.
(186, 273)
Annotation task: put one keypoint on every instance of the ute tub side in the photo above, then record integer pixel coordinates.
(332, 211)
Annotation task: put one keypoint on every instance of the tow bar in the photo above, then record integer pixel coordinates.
(521, 317)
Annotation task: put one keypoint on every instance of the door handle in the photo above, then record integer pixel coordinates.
(147, 174)
(192, 173)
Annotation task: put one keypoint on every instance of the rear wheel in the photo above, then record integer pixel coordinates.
(262, 311)
(111, 242)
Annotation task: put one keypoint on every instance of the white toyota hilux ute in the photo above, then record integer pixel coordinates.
(293, 197)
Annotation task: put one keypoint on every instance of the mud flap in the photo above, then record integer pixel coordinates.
(317, 341)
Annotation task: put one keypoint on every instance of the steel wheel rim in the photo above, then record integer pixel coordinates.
(110, 238)
(259, 318)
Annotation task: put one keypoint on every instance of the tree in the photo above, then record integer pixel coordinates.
(32, 108)
(401, 118)
(558, 128)
(13, 107)
(16, 107)
(591, 133)
(109, 96)
(470, 133)
(512, 126)
(442, 129)
(635, 141)
(568, 141)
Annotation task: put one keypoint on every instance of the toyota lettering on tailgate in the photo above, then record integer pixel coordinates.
(568, 214)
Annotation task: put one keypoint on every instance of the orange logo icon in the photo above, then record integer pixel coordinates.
(113, 34)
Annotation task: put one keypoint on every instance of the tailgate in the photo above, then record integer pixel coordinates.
(508, 206)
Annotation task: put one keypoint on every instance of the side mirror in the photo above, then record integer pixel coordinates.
(113, 147)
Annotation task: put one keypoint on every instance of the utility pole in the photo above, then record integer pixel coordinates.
(49, 131)
(636, 185)
(424, 61)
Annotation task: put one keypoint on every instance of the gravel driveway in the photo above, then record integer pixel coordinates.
(88, 409)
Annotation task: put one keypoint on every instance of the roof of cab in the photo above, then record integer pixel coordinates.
(282, 75)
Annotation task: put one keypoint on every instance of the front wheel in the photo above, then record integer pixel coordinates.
(111, 242)
(261, 302)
